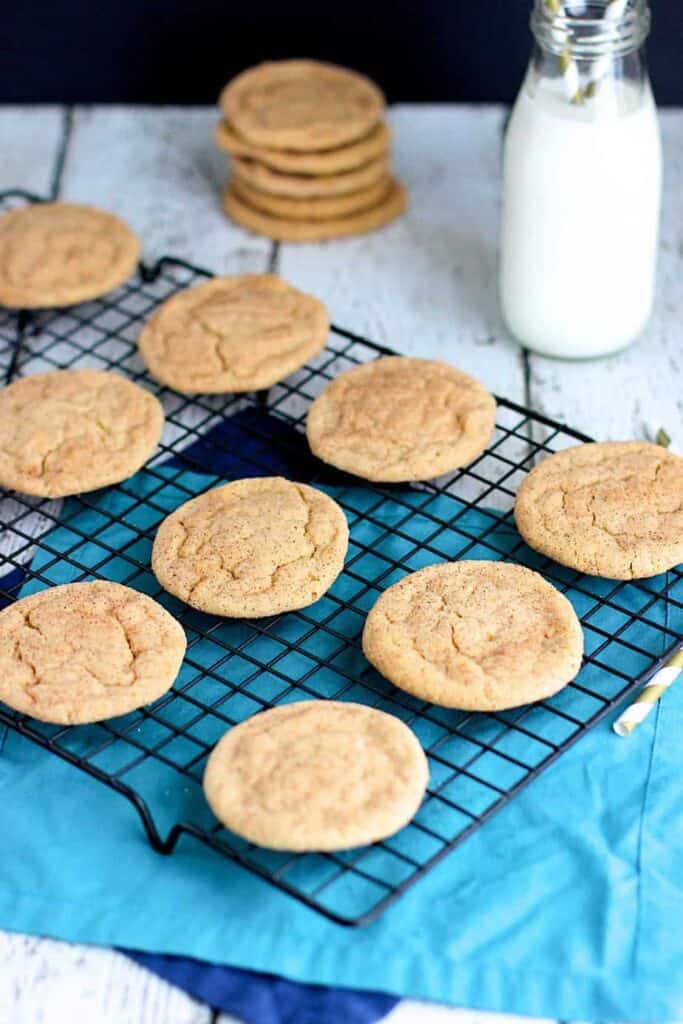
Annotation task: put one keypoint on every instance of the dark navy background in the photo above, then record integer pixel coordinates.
(182, 51)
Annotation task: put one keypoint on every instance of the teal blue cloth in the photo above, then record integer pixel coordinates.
(566, 904)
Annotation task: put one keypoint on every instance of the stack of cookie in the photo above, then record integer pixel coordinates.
(310, 152)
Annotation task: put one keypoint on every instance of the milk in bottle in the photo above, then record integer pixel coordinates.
(581, 192)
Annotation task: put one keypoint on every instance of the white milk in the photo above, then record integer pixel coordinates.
(581, 201)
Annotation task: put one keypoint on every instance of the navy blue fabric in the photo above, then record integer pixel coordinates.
(9, 582)
(243, 445)
(263, 998)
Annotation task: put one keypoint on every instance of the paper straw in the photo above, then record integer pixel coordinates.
(569, 68)
(570, 77)
(641, 707)
(614, 12)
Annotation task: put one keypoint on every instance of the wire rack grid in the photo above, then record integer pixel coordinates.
(156, 755)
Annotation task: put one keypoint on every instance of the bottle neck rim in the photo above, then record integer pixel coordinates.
(588, 31)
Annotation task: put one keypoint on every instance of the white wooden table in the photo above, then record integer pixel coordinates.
(427, 285)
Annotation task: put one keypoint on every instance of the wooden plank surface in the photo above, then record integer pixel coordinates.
(30, 142)
(161, 172)
(48, 982)
(427, 286)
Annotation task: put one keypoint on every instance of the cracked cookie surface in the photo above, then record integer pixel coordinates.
(611, 509)
(480, 636)
(400, 419)
(71, 431)
(251, 548)
(58, 254)
(233, 334)
(83, 652)
(301, 105)
(316, 775)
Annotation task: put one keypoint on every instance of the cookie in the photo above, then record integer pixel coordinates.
(239, 333)
(71, 431)
(399, 419)
(322, 161)
(322, 208)
(613, 509)
(480, 636)
(83, 652)
(309, 186)
(316, 775)
(58, 254)
(301, 105)
(251, 548)
(288, 230)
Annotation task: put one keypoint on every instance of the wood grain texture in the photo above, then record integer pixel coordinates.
(161, 172)
(48, 982)
(30, 139)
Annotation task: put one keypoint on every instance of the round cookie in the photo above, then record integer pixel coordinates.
(71, 431)
(398, 419)
(251, 548)
(288, 230)
(323, 161)
(301, 105)
(321, 208)
(58, 254)
(241, 333)
(83, 652)
(613, 509)
(316, 775)
(308, 186)
(480, 636)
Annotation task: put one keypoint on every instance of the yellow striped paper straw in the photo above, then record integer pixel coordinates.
(568, 68)
(641, 707)
(614, 12)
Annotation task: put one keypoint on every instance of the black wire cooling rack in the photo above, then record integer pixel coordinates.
(155, 756)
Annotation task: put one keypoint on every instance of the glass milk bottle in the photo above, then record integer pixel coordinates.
(582, 183)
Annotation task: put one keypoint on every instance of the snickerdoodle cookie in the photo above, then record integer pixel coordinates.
(317, 209)
(613, 509)
(317, 775)
(58, 254)
(251, 548)
(481, 636)
(86, 651)
(309, 186)
(321, 161)
(301, 105)
(240, 333)
(70, 431)
(287, 229)
(401, 419)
